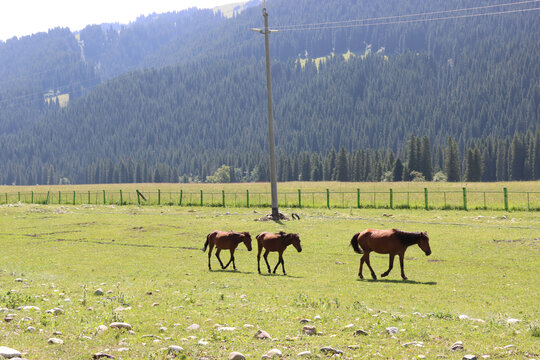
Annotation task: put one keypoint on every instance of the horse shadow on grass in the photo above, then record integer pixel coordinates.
(232, 271)
(411, 282)
(281, 275)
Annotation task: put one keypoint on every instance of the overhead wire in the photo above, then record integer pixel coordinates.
(278, 27)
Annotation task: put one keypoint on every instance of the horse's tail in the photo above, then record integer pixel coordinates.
(207, 242)
(354, 244)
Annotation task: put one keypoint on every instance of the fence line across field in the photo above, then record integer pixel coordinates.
(391, 199)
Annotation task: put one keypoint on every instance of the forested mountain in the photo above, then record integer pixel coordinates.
(195, 98)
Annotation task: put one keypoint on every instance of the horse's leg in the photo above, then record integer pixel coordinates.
(217, 255)
(210, 254)
(370, 268)
(401, 256)
(265, 255)
(231, 260)
(360, 269)
(259, 258)
(280, 260)
(390, 266)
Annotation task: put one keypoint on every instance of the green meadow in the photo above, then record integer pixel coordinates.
(149, 264)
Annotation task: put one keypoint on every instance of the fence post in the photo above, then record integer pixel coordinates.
(247, 198)
(505, 199)
(485, 203)
(59, 197)
(465, 199)
(391, 199)
(138, 197)
(48, 193)
(202, 198)
(158, 196)
(223, 197)
(426, 206)
(528, 203)
(6, 199)
(181, 194)
(88, 197)
(104, 199)
(73, 197)
(444, 199)
(19, 196)
(299, 198)
(32, 197)
(358, 198)
(328, 198)
(121, 199)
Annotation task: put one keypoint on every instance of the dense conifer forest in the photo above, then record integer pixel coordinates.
(182, 97)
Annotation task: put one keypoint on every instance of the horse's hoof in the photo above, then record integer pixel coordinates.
(405, 278)
(284, 274)
(384, 275)
(374, 277)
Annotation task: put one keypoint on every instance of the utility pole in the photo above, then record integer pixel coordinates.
(273, 182)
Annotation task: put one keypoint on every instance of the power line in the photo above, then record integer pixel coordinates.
(407, 21)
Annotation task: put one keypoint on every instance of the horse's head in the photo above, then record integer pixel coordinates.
(423, 242)
(294, 239)
(246, 238)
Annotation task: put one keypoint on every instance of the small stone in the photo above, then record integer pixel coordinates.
(274, 353)
(57, 333)
(457, 346)
(317, 317)
(9, 317)
(109, 292)
(512, 321)
(101, 328)
(193, 327)
(55, 311)
(248, 326)
(361, 332)
(102, 355)
(353, 347)
(305, 321)
(236, 356)
(226, 329)
(330, 350)
(162, 329)
(55, 341)
(120, 325)
(470, 357)
(509, 347)
(392, 330)
(30, 308)
(203, 342)
(98, 292)
(18, 280)
(31, 329)
(304, 353)
(414, 343)
(155, 304)
(309, 330)
(463, 317)
(9, 353)
(261, 335)
(174, 349)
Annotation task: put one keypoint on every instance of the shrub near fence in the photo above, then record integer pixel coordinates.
(464, 199)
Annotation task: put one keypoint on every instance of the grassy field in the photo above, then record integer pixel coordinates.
(149, 263)
(410, 195)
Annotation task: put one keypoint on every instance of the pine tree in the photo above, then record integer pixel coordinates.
(342, 171)
(398, 170)
(452, 161)
(425, 155)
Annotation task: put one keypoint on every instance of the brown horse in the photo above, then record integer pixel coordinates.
(226, 240)
(276, 242)
(393, 242)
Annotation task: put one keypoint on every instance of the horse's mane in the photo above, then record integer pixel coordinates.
(407, 238)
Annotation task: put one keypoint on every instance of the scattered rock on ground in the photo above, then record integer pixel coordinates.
(327, 350)
(274, 353)
(309, 330)
(236, 356)
(463, 317)
(102, 355)
(193, 327)
(414, 344)
(305, 321)
(457, 346)
(512, 321)
(470, 357)
(9, 353)
(304, 353)
(261, 334)
(173, 349)
(120, 325)
(392, 330)
(98, 292)
(55, 341)
(317, 317)
(361, 332)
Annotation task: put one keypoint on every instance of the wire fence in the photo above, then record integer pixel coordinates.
(428, 200)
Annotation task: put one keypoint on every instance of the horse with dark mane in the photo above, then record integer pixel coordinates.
(226, 240)
(276, 242)
(393, 242)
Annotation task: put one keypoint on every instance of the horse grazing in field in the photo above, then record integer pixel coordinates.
(276, 242)
(226, 240)
(393, 242)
